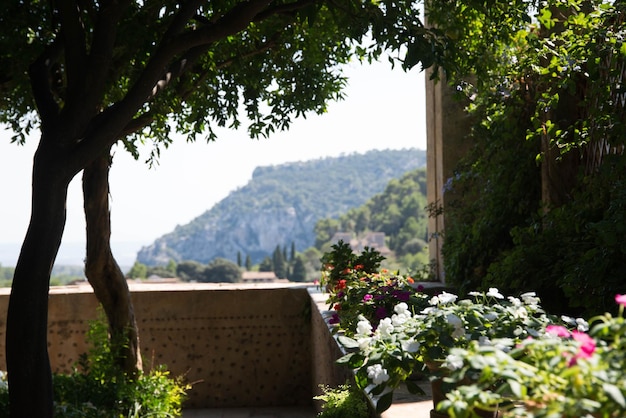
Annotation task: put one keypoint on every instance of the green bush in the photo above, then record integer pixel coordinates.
(342, 402)
(97, 388)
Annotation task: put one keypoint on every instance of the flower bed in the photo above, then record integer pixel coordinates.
(493, 355)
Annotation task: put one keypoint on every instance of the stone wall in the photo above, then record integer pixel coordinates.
(239, 346)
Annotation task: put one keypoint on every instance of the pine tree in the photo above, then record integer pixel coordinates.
(298, 273)
(278, 261)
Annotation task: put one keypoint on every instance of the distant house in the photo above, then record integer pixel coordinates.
(259, 277)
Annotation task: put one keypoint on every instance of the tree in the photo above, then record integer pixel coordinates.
(278, 263)
(266, 265)
(292, 253)
(189, 270)
(299, 270)
(138, 271)
(248, 262)
(87, 78)
(221, 270)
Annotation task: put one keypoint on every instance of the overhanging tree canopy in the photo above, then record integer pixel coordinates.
(89, 74)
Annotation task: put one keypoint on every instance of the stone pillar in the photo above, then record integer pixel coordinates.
(447, 126)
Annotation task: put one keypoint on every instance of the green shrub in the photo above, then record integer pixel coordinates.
(97, 388)
(342, 402)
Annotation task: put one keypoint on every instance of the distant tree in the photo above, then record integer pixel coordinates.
(266, 264)
(221, 270)
(362, 220)
(189, 270)
(292, 256)
(160, 271)
(248, 262)
(279, 264)
(138, 271)
(239, 258)
(171, 268)
(298, 273)
(324, 231)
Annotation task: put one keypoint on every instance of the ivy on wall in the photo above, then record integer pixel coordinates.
(538, 203)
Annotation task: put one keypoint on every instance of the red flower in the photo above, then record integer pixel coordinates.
(410, 280)
(359, 267)
(341, 284)
(337, 307)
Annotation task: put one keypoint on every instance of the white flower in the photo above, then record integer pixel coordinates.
(520, 313)
(377, 374)
(385, 328)
(410, 345)
(363, 327)
(443, 298)
(530, 298)
(364, 343)
(453, 362)
(495, 293)
(457, 323)
(402, 309)
(582, 325)
(515, 301)
(398, 320)
(475, 294)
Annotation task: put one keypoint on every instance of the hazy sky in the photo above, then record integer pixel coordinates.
(384, 109)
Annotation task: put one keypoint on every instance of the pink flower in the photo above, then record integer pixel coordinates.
(367, 298)
(587, 347)
(621, 299)
(558, 331)
(587, 344)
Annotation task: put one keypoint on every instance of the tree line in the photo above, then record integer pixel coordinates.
(291, 267)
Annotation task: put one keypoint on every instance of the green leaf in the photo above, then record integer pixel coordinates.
(347, 342)
(615, 393)
(414, 388)
(384, 402)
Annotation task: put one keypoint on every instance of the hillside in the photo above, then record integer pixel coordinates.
(280, 205)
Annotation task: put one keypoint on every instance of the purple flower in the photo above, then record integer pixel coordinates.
(381, 312)
(367, 298)
(340, 294)
(334, 319)
(401, 296)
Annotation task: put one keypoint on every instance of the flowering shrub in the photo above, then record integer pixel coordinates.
(357, 289)
(403, 343)
(562, 373)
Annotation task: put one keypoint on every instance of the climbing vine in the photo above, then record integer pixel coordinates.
(538, 201)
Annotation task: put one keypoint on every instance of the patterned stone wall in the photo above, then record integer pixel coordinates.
(239, 347)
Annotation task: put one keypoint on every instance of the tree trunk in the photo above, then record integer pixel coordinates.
(30, 377)
(103, 272)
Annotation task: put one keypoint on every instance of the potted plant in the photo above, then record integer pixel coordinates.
(411, 339)
(358, 288)
(564, 372)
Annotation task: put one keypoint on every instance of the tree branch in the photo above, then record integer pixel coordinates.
(73, 36)
(39, 73)
(285, 9)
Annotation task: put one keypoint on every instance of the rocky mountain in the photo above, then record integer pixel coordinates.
(281, 205)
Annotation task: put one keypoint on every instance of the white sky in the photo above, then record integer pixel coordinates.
(384, 109)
